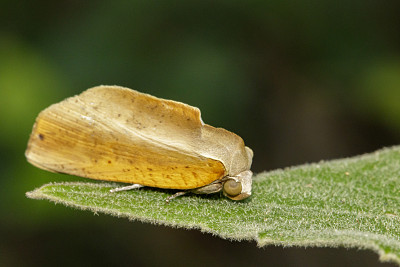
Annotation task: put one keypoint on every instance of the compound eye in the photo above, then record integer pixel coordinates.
(232, 188)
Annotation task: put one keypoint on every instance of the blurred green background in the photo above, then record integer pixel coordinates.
(300, 81)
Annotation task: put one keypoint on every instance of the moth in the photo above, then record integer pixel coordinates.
(112, 133)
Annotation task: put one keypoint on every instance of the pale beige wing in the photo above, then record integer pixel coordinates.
(118, 134)
(102, 134)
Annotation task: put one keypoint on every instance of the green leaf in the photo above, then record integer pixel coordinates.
(350, 202)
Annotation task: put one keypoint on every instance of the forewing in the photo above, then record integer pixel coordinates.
(117, 134)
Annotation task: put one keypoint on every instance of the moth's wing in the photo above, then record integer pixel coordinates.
(117, 134)
(226, 147)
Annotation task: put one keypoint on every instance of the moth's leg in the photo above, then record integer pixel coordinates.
(175, 195)
(212, 188)
(125, 188)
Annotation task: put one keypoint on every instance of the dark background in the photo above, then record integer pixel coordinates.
(300, 81)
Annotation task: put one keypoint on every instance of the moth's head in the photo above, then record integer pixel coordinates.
(238, 187)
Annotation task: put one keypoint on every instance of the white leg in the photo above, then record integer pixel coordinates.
(125, 188)
(174, 196)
